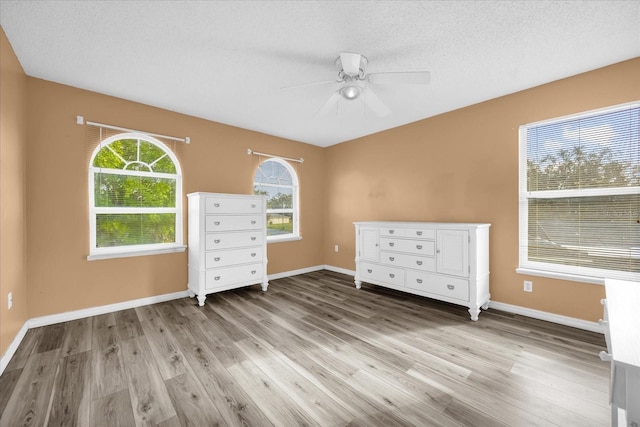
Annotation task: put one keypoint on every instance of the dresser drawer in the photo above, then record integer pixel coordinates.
(227, 205)
(235, 222)
(221, 277)
(418, 233)
(440, 285)
(394, 276)
(232, 240)
(408, 261)
(418, 247)
(232, 257)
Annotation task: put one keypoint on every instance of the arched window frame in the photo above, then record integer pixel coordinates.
(294, 210)
(96, 252)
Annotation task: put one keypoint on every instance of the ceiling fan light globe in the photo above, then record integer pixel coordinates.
(350, 92)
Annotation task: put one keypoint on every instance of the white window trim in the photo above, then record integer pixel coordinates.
(295, 210)
(564, 272)
(96, 253)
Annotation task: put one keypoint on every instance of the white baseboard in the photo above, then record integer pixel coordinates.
(296, 272)
(13, 347)
(549, 317)
(340, 270)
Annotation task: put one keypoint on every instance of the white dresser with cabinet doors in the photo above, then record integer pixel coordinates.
(444, 261)
(227, 243)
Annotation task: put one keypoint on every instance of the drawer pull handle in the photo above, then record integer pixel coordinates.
(391, 258)
(253, 238)
(391, 244)
(253, 221)
(216, 205)
(451, 287)
(216, 278)
(419, 280)
(391, 231)
(369, 270)
(392, 275)
(253, 271)
(419, 233)
(419, 262)
(418, 246)
(216, 241)
(217, 258)
(253, 205)
(216, 223)
(253, 254)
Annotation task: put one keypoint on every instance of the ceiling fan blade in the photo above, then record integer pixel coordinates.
(372, 101)
(400, 77)
(327, 82)
(350, 63)
(332, 103)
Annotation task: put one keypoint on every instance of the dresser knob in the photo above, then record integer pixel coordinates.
(391, 258)
(253, 238)
(253, 222)
(217, 258)
(216, 223)
(391, 244)
(451, 287)
(419, 262)
(369, 270)
(418, 246)
(391, 231)
(392, 275)
(437, 251)
(253, 205)
(217, 278)
(216, 241)
(419, 280)
(253, 271)
(419, 233)
(216, 205)
(253, 254)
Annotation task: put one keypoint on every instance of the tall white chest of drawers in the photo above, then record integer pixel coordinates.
(227, 243)
(444, 261)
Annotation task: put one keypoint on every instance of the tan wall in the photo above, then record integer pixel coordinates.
(463, 167)
(60, 277)
(13, 144)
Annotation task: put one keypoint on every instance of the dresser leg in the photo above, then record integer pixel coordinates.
(474, 311)
(201, 299)
(358, 284)
(265, 285)
(191, 293)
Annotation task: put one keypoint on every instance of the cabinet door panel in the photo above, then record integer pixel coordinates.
(369, 244)
(452, 253)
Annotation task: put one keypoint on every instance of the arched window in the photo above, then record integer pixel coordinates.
(276, 179)
(135, 198)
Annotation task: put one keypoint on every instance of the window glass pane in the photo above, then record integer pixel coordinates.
(271, 172)
(134, 229)
(105, 158)
(279, 223)
(277, 197)
(164, 165)
(126, 148)
(601, 151)
(113, 190)
(596, 232)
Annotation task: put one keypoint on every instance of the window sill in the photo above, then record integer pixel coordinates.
(283, 239)
(562, 276)
(122, 253)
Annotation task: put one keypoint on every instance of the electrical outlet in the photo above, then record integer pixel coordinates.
(528, 286)
(335, 248)
(9, 301)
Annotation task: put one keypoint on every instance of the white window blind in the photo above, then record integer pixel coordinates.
(580, 194)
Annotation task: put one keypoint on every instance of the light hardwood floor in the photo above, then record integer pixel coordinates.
(313, 351)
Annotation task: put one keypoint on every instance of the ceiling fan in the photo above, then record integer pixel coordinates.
(354, 82)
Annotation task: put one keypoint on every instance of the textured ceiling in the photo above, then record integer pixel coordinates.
(227, 61)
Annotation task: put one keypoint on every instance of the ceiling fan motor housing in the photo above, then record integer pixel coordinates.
(355, 70)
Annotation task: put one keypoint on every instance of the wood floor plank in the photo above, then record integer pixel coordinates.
(27, 347)
(77, 338)
(149, 397)
(113, 410)
(108, 374)
(8, 381)
(53, 339)
(193, 406)
(104, 332)
(164, 348)
(128, 324)
(71, 405)
(29, 402)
